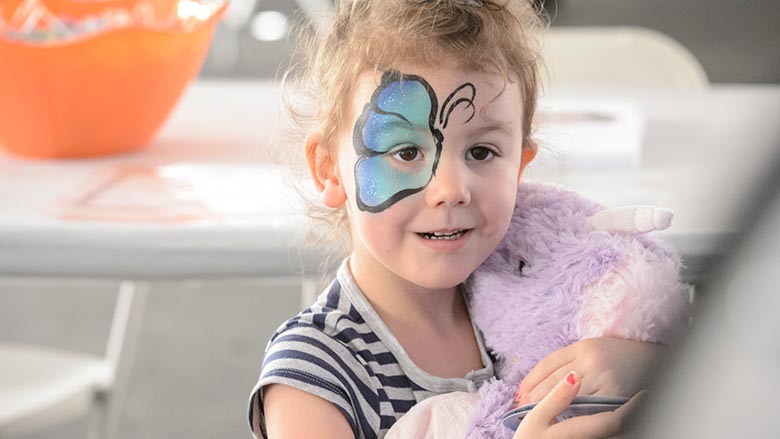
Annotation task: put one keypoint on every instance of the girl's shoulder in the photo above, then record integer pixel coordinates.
(332, 315)
(329, 350)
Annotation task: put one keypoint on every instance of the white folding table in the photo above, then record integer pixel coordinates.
(703, 151)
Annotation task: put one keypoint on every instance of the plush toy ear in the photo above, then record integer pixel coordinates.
(631, 219)
(324, 171)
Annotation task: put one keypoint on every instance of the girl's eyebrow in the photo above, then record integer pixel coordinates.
(500, 127)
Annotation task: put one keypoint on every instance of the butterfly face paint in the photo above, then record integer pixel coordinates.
(397, 139)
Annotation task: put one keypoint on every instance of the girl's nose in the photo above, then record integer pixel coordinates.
(449, 186)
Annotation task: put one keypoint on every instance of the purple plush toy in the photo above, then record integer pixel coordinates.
(567, 269)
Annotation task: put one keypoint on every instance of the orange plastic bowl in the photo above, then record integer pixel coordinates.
(104, 94)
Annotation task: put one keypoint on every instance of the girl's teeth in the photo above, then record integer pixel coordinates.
(444, 236)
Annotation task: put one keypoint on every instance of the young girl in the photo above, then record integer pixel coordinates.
(423, 113)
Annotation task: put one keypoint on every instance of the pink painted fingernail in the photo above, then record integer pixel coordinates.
(518, 396)
(571, 378)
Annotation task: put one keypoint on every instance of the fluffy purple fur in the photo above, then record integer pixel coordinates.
(560, 256)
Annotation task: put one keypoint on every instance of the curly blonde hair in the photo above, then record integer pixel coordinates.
(499, 37)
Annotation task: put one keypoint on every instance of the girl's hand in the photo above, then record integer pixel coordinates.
(608, 366)
(539, 422)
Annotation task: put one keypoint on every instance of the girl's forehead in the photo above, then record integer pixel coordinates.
(441, 78)
(495, 96)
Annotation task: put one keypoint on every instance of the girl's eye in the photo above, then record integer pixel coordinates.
(408, 154)
(479, 153)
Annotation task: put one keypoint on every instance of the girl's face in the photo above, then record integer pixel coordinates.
(429, 168)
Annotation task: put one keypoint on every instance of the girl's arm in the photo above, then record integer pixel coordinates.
(293, 413)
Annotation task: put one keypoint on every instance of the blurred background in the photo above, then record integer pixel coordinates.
(201, 341)
(735, 40)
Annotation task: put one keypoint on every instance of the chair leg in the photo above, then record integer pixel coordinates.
(99, 418)
(122, 340)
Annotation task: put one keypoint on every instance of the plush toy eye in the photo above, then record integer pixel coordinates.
(520, 266)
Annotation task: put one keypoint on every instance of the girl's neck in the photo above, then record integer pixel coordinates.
(432, 326)
(401, 303)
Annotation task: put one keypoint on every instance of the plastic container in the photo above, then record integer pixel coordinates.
(99, 94)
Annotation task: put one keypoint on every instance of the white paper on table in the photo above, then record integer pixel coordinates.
(181, 192)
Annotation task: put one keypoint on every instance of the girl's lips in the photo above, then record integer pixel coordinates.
(446, 240)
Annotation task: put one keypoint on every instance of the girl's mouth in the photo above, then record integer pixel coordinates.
(444, 236)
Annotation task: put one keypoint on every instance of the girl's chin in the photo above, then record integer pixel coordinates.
(445, 281)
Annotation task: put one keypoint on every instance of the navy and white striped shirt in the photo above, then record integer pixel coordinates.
(340, 350)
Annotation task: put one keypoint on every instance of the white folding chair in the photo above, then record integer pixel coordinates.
(41, 387)
(620, 56)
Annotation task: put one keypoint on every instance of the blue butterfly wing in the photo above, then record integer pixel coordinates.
(402, 111)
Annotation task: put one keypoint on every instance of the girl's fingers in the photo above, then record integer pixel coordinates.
(554, 403)
(540, 420)
(546, 385)
(600, 425)
(545, 368)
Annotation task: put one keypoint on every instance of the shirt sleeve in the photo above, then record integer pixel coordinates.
(305, 358)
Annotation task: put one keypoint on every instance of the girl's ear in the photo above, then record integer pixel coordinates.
(528, 154)
(324, 172)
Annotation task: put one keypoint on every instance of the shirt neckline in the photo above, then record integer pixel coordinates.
(428, 381)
